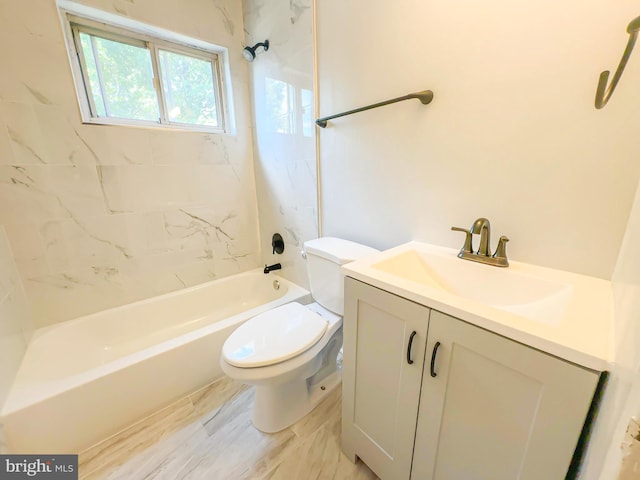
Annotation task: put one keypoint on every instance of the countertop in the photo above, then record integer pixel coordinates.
(580, 333)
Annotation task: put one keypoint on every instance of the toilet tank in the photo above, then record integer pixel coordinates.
(325, 256)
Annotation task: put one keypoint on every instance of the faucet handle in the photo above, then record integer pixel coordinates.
(467, 240)
(501, 249)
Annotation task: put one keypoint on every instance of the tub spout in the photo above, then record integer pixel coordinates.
(275, 266)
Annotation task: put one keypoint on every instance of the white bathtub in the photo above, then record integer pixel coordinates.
(85, 379)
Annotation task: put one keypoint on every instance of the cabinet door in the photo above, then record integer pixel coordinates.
(497, 409)
(381, 388)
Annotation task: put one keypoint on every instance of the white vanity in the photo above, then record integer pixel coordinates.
(455, 370)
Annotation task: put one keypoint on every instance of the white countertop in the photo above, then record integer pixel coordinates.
(581, 333)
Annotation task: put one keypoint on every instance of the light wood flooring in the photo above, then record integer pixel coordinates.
(209, 436)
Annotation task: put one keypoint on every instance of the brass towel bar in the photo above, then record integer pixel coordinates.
(425, 97)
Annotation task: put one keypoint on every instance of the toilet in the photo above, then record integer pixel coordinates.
(289, 352)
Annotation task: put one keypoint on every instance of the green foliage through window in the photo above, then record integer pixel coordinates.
(138, 80)
(189, 89)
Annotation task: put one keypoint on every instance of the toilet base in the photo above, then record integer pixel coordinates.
(278, 407)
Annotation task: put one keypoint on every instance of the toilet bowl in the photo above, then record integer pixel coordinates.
(287, 386)
(289, 354)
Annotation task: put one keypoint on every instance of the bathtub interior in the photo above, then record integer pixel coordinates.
(68, 355)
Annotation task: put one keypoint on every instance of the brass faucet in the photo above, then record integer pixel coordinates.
(482, 226)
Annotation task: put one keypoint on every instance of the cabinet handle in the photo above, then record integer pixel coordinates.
(433, 359)
(409, 361)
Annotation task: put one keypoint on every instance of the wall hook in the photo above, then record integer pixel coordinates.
(603, 93)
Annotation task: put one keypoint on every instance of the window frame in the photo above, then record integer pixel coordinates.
(75, 24)
(216, 75)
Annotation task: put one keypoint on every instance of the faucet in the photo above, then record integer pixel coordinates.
(270, 268)
(482, 227)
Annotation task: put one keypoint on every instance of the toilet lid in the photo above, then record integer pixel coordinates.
(274, 336)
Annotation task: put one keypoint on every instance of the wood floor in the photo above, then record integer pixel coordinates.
(209, 436)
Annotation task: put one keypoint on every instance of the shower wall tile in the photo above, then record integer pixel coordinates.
(71, 245)
(15, 325)
(12, 348)
(98, 216)
(11, 294)
(168, 148)
(61, 138)
(39, 76)
(31, 246)
(26, 138)
(6, 153)
(4, 446)
(129, 189)
(120, 145)
(73, 266)
(284, 151)
(202, 225)
(187, 267)
(13, 312)
(27, 82)
(60, 296)
(226, 264)
(41, 193)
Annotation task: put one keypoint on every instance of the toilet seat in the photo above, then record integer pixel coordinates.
(274, 336)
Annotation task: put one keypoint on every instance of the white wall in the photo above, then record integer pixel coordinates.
(15, 325)
(622, 399)
(284, 152)
(512, 133)
(99, 216)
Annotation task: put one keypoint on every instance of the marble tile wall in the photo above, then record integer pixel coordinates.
(99, 216)
(284, 152)
(15, 325)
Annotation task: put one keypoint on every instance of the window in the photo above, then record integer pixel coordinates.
(127, 77)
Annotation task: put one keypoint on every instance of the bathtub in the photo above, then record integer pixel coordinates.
(85, 379)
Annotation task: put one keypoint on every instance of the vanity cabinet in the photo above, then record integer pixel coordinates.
(496, 409)
(384, 347)
(481, 406)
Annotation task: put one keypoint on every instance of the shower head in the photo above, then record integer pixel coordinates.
(249, 53)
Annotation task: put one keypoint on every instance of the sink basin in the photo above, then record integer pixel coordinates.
(503, 288)
(558, 312)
